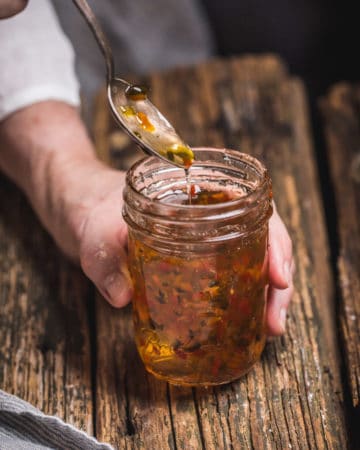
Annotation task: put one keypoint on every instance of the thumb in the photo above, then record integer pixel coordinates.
(103, 254)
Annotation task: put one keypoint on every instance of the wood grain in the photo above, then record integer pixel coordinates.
(44, 330)
(293, 397)
(341, 112)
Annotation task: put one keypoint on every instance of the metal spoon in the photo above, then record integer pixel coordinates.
(133, 111)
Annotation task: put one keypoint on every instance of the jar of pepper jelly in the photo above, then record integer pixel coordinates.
(198, 258)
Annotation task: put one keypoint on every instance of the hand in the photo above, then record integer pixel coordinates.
(47, 152)
(103, 256)
(281, 270)
(103, 241)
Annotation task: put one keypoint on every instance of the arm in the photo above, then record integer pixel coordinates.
(48, 154)
(45, 148)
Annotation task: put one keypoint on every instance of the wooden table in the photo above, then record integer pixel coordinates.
(64, 349)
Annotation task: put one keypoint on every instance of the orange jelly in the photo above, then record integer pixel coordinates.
(199, 266)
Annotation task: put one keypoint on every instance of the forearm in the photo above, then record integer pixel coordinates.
(46, 151)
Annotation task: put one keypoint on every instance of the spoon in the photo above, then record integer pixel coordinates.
(132, 109)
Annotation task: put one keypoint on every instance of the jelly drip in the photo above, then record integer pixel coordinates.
(188, 184)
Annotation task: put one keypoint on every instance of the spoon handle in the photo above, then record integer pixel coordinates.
(95, 27)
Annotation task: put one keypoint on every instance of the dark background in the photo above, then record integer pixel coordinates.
(319, 39)
(320, 42)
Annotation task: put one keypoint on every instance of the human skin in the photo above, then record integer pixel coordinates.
(46, 151)
(9, 8)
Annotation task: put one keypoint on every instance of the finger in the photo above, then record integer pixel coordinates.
(103, 256)
(280, 253)
(278, 303)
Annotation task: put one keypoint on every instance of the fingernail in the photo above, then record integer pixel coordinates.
(282, 319)
(287, 272)
(116, 285)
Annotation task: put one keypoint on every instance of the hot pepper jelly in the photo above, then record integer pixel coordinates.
(198, 258)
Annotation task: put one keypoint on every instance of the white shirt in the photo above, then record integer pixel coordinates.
(36, 60)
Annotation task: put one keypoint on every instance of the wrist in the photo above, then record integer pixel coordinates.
(48, 153)
(66, 198)
(77, 186)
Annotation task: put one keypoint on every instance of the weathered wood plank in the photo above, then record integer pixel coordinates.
(293, 398)
(184, 418)
(341, 112)
(132, 407)
(44, 332)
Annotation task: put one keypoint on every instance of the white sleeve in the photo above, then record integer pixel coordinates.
(36, 60)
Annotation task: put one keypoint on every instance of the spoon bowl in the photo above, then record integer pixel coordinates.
(133, 111)
(145, 124)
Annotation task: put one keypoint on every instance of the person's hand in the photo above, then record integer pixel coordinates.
(103, 239)
(103, 253)
(281, 270)
(46, 151)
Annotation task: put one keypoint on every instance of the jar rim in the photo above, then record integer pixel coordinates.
(238, 203)
(185, 223)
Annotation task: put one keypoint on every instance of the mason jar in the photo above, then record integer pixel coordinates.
(198, 258)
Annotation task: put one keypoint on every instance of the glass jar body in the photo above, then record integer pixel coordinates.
(200, 273)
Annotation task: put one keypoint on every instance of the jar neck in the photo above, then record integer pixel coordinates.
(151, 182)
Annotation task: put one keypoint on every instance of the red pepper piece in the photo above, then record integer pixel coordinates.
(216, 367)
(181, 354)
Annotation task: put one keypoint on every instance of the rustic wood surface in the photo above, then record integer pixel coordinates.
(341, 112)
(44, 330)
(64, 349)
(294, 397)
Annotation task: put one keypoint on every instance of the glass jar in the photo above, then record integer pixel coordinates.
(198, 258)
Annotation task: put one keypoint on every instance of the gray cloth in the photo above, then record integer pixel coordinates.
(23, 427)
